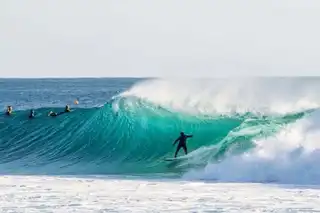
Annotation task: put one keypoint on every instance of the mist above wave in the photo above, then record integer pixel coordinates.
(225, 96)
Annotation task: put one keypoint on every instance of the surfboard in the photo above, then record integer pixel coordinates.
(172, 159)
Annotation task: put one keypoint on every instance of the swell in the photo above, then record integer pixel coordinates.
(126, 135)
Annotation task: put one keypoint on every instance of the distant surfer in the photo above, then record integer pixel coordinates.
(9, 110)
(67, 109)
(182, 143)
(31, 115)
(54, 114)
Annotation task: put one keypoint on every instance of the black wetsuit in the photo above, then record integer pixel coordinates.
(31, 115)
(53, 114)
(182, 144)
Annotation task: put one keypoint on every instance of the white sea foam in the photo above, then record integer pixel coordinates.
(291, 156)
(225, 96)
(87, 194)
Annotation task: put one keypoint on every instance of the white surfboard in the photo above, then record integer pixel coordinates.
(172, 159)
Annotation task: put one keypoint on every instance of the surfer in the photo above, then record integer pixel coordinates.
(182, 143)
(9, 110)
(52, 114)
(31, 115)
(67, 109)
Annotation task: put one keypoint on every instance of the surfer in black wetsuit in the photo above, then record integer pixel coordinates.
(182, 143)
(31, 115)
(9, 110)
(54, 114)
(67, 109)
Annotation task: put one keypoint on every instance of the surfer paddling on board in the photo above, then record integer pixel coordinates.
(54, 114)
(182, 143)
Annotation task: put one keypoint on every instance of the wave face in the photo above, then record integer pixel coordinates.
(291, 156)
(134, 131)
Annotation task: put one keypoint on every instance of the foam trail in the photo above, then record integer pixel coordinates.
(292, 156)
(225, 96)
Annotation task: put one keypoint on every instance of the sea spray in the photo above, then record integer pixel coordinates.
(290, 156)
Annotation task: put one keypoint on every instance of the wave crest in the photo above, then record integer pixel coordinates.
(230, 96)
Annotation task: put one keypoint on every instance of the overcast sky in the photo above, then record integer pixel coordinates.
(193, 38)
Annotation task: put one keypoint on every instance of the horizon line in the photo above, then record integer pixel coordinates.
(151, 77)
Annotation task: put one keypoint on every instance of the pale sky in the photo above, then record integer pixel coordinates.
(161, 38)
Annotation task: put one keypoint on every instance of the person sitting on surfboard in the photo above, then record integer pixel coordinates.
(9, 110)
(182, 143)
(67, 109)
(31, 115)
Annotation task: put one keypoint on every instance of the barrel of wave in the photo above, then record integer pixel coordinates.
(155, 129)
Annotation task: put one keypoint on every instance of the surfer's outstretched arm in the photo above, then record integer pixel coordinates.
(176, 141)
(189, 136)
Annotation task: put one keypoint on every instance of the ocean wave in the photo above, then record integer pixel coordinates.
(291, 156)
(134, 131)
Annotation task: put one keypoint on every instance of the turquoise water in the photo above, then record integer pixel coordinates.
(107, 133)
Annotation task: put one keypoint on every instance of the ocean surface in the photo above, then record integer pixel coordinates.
(246, 131)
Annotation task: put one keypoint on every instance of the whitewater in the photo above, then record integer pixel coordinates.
(255, 145)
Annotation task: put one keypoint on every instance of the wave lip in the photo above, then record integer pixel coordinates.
(268, 96)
